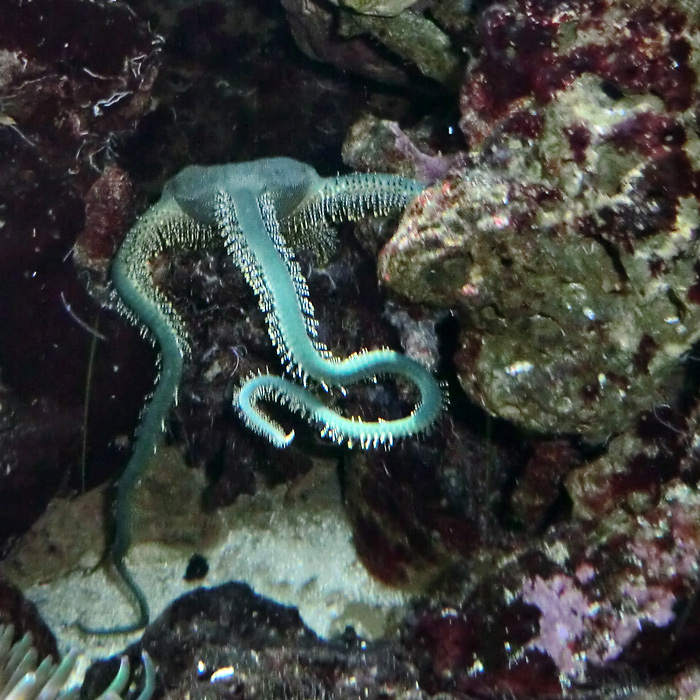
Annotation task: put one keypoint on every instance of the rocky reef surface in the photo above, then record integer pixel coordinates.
(564, 241)
(568, 248)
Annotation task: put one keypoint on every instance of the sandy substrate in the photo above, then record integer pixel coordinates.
(292, 544)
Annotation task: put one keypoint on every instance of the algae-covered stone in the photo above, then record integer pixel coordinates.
(570, 260)
(412, 36)
(381, 8)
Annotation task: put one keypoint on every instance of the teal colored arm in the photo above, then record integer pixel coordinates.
(163, 227)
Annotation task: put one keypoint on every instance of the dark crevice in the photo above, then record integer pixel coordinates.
(614, 254)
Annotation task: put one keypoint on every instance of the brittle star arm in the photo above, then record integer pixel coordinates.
(271, 270)
(163, 227)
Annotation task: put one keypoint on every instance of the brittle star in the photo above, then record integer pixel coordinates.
(255, 209)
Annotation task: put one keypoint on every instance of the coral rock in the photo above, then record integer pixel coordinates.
(569, 249)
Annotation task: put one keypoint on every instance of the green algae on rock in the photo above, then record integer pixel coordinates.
(569, 250)
(412, 36)
(381, 8)
(384, 40)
